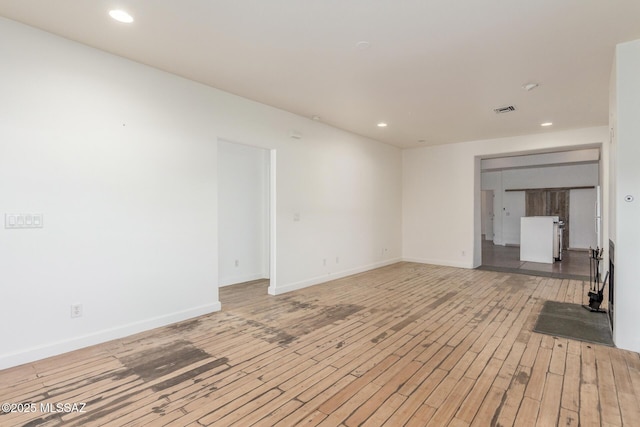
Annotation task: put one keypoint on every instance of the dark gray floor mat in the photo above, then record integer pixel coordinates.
(573, 321)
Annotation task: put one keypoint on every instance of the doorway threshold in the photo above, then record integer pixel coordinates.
(554, 275)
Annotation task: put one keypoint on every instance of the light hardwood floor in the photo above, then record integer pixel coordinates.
(407, 344)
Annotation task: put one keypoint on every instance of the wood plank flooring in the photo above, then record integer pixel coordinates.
(404, 345)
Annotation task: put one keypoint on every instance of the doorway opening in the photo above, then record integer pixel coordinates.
(487, 214)
(563, 184)
(246, 224)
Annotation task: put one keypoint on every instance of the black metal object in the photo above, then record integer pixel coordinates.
(612, 280)
(596, 292)
(596, 297)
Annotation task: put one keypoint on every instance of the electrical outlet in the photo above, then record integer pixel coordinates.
(237, 263)
(76, 310)
(337, 260)
(324, 262)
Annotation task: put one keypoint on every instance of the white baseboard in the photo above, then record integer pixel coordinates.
(445, 263)
(278, 290)
(53, 349)
(240, 279)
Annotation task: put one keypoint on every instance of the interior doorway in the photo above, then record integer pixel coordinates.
(488, 215)
(245, 223)
(562, 183)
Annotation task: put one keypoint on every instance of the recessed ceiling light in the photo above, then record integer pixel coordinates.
(545, 124)
(529, 86)
(316, 118)
(121, 16)
(382, 125)
(363, 45)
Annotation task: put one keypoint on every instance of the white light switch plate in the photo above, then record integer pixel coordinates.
(23, 220)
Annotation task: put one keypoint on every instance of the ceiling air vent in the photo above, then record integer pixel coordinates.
(507, 109)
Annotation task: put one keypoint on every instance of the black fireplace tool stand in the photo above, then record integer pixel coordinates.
(596, 291)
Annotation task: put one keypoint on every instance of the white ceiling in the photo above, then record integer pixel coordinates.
(434, 71)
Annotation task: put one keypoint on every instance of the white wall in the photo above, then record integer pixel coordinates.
(441, 188)
(582, 214)
(580, 175)
(243, 213)
(438, 205)
(625, 179)
(343, 212)
(121, 160)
